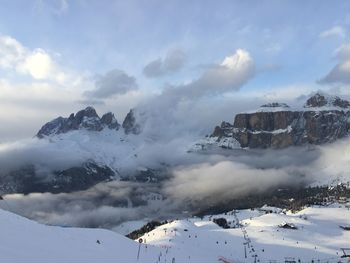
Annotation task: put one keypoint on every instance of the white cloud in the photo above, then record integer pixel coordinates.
(11, 52)
(37, 63)
(336, 31)
(341, 71)
(241, 59)
(231, 74)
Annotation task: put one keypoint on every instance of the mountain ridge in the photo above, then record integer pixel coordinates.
(88, 119)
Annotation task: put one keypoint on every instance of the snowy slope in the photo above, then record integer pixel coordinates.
(317, 238)
(113, 148)
(27, 241)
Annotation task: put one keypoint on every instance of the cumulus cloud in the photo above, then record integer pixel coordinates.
(11, 52)
(114, 82)
(173, 62)
(37, 63)
(233, 72)
(336, 31)
(341, 71)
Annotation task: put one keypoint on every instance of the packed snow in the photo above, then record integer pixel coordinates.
(256, 234)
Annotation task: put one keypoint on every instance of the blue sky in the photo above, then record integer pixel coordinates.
(100, 35)
(293, 45)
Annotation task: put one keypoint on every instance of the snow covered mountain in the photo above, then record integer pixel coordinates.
(323, 119)
(90, 148)
(87, 119)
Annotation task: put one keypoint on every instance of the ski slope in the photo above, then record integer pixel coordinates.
(257, 236)
(254, 235)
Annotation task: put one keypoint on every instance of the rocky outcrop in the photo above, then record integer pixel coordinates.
(322, 100)
(323, 119)
(275, 105)
(129, 124)
(224, 130)
(110, 121)
(86, 119)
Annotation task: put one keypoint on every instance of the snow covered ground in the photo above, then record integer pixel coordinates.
(318, 236)
(27, 241)
(254, 234)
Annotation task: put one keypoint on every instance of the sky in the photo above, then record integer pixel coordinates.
(59, 56)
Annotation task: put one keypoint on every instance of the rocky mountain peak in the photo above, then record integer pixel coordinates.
(109, 120)
(88, 112)
(130, 125)
(86, 119)
(322, 100)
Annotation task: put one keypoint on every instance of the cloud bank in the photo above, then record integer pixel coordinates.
(225, 180)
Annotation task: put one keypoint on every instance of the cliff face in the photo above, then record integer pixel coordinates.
(130, 125)
(322, 120)
(287, 128)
